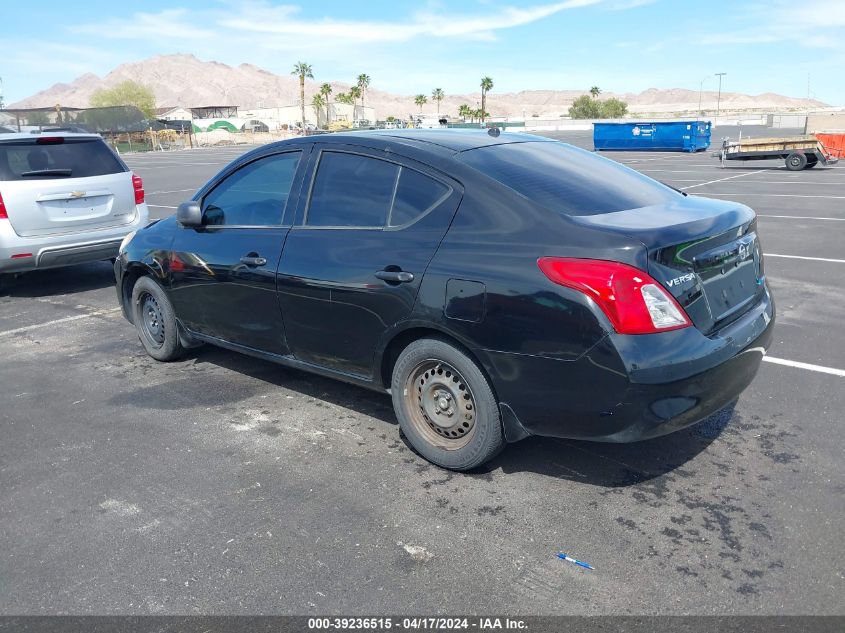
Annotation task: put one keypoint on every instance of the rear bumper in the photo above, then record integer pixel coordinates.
(52, 251)
(56, 256)
(630, 388)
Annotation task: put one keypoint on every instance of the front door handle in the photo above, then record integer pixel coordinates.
(253, 260)
(395, 276)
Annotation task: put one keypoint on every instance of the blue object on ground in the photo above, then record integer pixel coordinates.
(664, 136)
(580, 563)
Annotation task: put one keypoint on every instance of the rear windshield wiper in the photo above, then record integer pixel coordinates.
(47, 172)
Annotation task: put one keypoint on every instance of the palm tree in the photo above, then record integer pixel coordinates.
(464, 111)
(355, 94)
(420, 100)
(317, 102)
(486, 86)
(325, 91)
(363, 84)
(437, 94)
(303, 70)
(343, 97)
(595, 91)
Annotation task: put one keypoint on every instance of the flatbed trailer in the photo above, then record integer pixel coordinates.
(798, 152)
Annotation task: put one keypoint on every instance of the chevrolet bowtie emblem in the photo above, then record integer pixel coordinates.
(77, 194)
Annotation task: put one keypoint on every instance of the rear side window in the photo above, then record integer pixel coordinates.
(415, 195)
(254, 195)
(566, 179)
(352, 190)
(47, 158)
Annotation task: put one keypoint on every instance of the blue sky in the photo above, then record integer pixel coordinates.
(411, 47)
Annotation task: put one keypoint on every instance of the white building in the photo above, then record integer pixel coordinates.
(278, 117)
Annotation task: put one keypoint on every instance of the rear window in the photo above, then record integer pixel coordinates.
(566, 179)
(70, 158)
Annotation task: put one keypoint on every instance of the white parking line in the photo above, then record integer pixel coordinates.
(799, 217)
(794, 363)
(178, 164)
(815, 259)
(801, 182)
(75, 317)
(710, 182)
(153, 193)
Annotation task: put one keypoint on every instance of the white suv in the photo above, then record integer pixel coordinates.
(64, 199)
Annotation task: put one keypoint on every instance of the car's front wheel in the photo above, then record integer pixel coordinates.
(445, 406)
(155, 320)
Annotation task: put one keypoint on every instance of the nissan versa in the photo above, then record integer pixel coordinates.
(496, 285)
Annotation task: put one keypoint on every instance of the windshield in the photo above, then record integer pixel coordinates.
(56, 157)
(566, 179)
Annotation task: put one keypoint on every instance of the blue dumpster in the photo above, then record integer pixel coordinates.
(664, 136)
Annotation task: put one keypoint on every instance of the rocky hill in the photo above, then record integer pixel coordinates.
(184, 80)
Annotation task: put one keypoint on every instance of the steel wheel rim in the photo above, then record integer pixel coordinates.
(152, 320)
(440, 404)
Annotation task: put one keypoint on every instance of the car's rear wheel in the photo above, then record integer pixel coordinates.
(445, 406)
(155, 320)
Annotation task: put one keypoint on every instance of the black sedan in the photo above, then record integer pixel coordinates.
(496, 285)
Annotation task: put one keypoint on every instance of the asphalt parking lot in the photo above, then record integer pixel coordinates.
(224, 484)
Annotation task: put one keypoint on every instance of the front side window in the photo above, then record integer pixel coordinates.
(255, 195)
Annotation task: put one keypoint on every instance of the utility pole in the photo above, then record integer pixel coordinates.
(807, 117)
(719, 97)
(700, 88)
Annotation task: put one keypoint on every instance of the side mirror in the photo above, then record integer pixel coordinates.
(189, 213)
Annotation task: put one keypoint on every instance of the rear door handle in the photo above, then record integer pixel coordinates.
(395, 276)
(253, 260)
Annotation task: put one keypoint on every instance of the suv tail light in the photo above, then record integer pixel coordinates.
(3, 214)
(633, 301)
(138, 185)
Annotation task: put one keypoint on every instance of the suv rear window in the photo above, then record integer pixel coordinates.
(47, 158)
(566, 179)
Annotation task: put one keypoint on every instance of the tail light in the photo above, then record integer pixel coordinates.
(138, 185)
(633, 301)
(49, 140)
(3, 214)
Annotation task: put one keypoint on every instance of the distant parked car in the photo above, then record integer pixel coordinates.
(255, 126)
(496, 285)
(65, 198)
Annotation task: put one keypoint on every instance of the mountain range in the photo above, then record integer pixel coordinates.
(184, 80)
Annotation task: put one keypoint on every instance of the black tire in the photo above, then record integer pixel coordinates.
(155, 320)
(4, 284)
(796, 161)
(434, 380)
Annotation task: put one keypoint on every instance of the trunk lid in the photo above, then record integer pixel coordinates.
(64, 185)
(706, 253)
